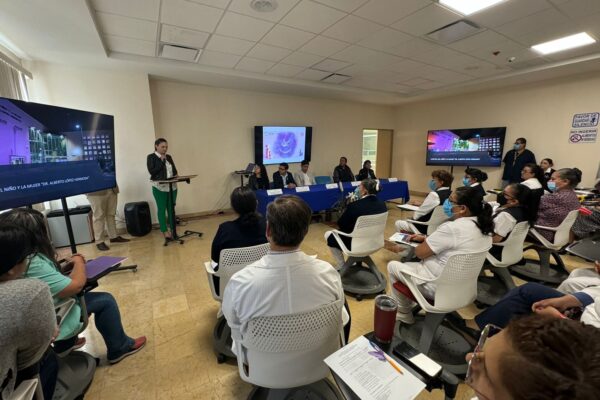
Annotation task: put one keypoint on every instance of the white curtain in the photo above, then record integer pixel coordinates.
(12, 82)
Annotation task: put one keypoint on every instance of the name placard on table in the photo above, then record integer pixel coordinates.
(302, 189)
(355, 183)
(332, 186)
(393, 180)
(274, 192)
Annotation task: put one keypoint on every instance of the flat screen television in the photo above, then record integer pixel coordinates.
(477, 147)
(277, 144)
(49, 152)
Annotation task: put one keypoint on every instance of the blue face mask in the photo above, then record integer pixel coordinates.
(466, 181)
(517, 146)
(448, 208)
(357, 193)
(432, 185)
(552, 186)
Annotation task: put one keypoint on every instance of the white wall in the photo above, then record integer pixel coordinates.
(540, 112)
(210, 133)
(124, 95)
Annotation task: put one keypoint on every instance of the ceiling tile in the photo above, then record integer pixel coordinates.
(412, 47)
(216, 59)
(229, 45)
(426, 20)
(118, 25)
(331, 65)
(386, 12)
(363, 55)
(370, 84)
(179, 53)
(190, 15)
(415, 81)
(580, 8)
(144, 9)
(243, 27)
(324, 46)
(284, 36)
(312, 75)
(312, 17)
(441, 53)
(485, 39)
(285, 70)
(344, 5)
(130, 46)
(508, 11)
(213, 3)
(368, 72)
(385, 39)
(243, 7)
(254, 65)
(183, 37)
(269, 53)
(545, 19)
(406, 66)
(352, 29)
(431, 85)
(302, 59)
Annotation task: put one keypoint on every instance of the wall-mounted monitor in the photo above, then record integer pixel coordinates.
(481, 147)
(277, 144)
(49, 152)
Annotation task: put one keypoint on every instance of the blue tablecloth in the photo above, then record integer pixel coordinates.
(319, 198)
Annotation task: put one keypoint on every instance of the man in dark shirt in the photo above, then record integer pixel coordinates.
(515, 160)
(343, 173)
(283, 179)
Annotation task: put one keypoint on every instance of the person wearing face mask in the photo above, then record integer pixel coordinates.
(514, 161)
(474, 178)
(536, 357)
(162, 167)
(555, 206)
(469, 231)
(546, 164)
(367, 204)
(440, 184)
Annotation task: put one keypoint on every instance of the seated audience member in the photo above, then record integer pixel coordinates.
(248, 229)
(468, 232)
(555, 206)
(366, 172)
(343, 173)
(474, 178)
(546, 164)
(578, 292)
(43, 266)
(27, 317)
(286, 280)
(367, 204)
(537, 357)
(440, 184)
(533, 176)
(282, 178)
(259, 180)
(519, 206)
(303, 177)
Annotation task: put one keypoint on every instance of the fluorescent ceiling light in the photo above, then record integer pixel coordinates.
(568, 42)
(467, 7)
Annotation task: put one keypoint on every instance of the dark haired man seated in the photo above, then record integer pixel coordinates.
(282, 178)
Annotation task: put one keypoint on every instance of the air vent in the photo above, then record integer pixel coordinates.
(180, 53)
(453, 32)
(336, 78)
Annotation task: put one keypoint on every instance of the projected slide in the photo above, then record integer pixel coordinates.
(466, 147)
(283, 144)
(51, 152)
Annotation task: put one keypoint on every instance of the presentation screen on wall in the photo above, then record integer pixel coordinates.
(49, 152)
(277, 144)
(481, 147)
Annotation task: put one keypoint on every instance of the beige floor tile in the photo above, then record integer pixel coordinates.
(170, 305)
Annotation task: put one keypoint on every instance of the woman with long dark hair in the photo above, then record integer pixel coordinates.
(469, 231)
(474, 178)
(162, 167)
(259, 178)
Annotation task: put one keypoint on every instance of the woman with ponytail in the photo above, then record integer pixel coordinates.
(469, 231)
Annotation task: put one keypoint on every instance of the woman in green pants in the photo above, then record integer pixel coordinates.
(161, 167)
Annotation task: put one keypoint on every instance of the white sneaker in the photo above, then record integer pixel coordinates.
(407, 319)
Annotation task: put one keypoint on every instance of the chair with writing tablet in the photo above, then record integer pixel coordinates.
(367, 238)
(282, 356)
(230, 262)
(437, 218)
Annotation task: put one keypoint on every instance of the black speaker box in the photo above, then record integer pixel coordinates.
(137, 218)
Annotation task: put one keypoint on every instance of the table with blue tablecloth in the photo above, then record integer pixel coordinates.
(320, 198)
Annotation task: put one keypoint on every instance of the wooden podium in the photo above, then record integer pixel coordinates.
(171, 206)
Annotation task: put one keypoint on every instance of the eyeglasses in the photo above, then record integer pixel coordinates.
(507, 196)
(488, 331)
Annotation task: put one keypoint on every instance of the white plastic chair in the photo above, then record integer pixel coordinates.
(367, 238)
(438, 217)
(545, 249)
(27, 390)
(512, 253)
(287, 351)
(456, 287)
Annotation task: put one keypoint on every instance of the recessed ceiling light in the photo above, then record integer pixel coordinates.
(566, 43)
(467, 7)
(264, 5)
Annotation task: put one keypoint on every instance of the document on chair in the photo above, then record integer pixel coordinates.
(408, 207)
(372, 374)
(403, 238)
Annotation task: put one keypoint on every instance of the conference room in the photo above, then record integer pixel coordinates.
(328, 199)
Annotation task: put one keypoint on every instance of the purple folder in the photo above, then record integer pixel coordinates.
(98, 267)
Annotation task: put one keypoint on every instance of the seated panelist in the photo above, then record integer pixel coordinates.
(282, 178)
(342, 172)
(259, 180)
(366, 172)
(303, 177)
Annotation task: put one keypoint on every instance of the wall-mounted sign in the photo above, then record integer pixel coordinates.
(584, 128)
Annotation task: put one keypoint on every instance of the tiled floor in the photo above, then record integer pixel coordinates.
(169, 301)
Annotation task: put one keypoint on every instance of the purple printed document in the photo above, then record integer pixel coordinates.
(98, 267)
